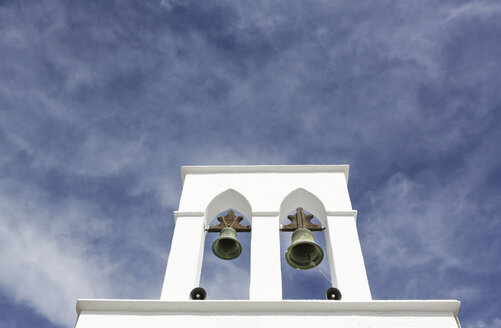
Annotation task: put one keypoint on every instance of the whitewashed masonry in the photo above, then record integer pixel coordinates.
(265, 195)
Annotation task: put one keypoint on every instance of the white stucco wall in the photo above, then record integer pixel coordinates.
(266, 195)
(265, 187)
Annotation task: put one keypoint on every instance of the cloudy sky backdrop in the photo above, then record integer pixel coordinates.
(101, 102)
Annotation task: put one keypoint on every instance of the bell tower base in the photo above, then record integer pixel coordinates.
(292, 314)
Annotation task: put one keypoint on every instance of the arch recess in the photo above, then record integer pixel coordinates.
(225, 200)
(305, 199)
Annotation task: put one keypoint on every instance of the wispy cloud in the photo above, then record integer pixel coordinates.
(45, 251)
(100, 103)
(495, 323)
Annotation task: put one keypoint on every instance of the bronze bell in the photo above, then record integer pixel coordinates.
(226, 246)
(303, 251)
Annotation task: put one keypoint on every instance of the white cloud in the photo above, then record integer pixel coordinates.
(169, 4)
(495, 323)
(477, 7)
(47, 258)
(272, 84)
(102, 155)
(409, 226)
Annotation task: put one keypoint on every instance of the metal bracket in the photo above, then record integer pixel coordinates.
(229, 220)
(301, 220)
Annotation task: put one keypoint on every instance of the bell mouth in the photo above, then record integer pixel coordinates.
(304, 256)
(303, 253)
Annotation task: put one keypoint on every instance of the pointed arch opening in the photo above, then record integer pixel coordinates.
(227, 279)
(305, 199)
(304, 284)
(229, 198)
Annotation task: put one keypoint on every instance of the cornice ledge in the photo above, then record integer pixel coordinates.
(353, 213)
(287, 307)
(344, 168)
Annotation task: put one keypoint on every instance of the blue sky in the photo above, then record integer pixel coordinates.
(101, 102)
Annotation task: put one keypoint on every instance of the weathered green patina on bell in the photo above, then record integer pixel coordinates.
(303, 250)
(226, 246)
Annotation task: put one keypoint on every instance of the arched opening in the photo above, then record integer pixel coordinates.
(311, 283)
(229, 198)
(226, 279)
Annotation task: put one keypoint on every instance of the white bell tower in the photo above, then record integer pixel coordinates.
(265, 195)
